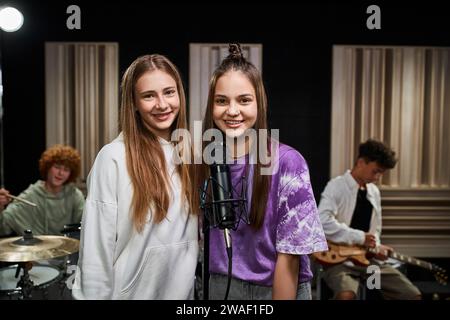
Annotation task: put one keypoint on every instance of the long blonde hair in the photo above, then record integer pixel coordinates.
(144, 156)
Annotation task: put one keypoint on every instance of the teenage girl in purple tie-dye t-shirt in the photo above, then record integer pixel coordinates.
(270, 255)
(291, 225)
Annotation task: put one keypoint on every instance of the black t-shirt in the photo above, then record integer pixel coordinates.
(363, 212)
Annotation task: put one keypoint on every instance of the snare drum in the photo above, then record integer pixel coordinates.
(42, 276)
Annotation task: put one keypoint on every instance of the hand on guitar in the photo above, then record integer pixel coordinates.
(370, 241)
(382, 252)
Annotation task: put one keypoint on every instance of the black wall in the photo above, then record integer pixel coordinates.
(297, 46)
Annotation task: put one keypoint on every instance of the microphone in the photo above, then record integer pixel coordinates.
(220, 210)
(222, 207)
(223, 213)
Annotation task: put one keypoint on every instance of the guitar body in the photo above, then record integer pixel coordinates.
(339, 253)
(360, 260)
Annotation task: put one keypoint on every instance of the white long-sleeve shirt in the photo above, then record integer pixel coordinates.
(117, 262)
(337, 205)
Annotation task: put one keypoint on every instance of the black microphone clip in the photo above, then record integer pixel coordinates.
(217, 200)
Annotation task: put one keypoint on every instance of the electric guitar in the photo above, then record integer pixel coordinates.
(339, 253)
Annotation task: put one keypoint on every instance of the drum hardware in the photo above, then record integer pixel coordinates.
(25, 283)
(73, 228)
(24, 250)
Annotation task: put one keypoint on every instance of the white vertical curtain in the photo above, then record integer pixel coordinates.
(400, 95)
(82, 97)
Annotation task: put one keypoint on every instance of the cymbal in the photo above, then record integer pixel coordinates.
(21, 249)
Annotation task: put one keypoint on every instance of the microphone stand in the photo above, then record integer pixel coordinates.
(227, 236)
(206, 258)
(207, 207)
(205, 270)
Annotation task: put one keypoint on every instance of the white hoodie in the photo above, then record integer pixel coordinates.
(117, 262)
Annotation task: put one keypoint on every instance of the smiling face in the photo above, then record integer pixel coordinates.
(367, 171)
(235, 108)
(57, 176)
(157, 101)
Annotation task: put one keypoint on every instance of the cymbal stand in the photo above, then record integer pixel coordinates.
(25, 284)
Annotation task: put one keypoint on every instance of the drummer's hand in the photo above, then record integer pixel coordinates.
(4, 200)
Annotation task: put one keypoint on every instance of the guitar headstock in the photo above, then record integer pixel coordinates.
(440, 274)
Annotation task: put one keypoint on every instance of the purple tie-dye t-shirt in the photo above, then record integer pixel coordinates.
(291, 225)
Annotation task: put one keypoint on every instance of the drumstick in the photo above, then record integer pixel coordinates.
(22, 200)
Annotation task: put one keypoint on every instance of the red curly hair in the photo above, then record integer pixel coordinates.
(60, 154)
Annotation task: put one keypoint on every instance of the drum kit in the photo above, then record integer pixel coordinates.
(29, 260)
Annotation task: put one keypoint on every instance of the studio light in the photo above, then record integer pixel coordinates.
(11, 19)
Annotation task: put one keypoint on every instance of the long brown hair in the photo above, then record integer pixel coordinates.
(235, 61)
(144, 156)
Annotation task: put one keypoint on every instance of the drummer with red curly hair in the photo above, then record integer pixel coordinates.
(58, 201)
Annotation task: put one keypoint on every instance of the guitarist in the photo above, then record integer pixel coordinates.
(350, 212)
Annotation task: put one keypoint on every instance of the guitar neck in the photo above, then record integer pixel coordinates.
(411, 260)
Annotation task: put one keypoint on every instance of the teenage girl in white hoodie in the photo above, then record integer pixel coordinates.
(139, 233)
